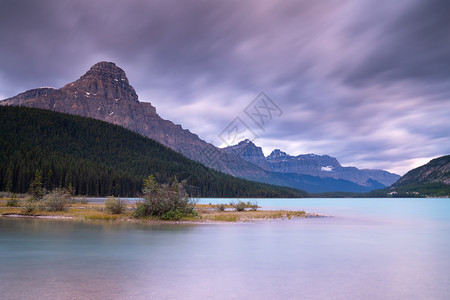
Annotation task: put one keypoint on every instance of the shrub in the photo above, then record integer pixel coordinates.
(31, 207)
(177, 214)
(28, 208)
(220, 207)
(164, 201)
(115, 205)
(240, 206)
(13, 202)
(252, 205)
(57, 200)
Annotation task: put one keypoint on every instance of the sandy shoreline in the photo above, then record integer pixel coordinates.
(35, 217)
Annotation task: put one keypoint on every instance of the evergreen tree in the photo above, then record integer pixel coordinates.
(175, 185)
(9, 186)
(36, 187)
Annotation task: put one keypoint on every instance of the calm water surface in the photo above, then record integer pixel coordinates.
(368, 249)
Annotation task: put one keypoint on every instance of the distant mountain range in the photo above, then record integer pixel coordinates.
(321, 166)
(104, 93)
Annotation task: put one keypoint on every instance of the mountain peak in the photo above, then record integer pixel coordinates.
(277, 153)
(107, 80)
(246, 142)
(107, 68)
(249, 152)
(105, 64)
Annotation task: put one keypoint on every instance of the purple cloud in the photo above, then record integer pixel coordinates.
(362, 81)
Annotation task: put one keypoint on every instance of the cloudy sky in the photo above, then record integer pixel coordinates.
(367, 82)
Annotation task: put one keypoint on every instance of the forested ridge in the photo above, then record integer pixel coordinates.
(100, 159)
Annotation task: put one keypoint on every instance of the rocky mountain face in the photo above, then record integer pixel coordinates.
(104, 93)
(436, 171)
(323, 166)
(310, 164)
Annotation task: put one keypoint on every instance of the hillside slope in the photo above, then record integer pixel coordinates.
(431, 179)
(436, 171)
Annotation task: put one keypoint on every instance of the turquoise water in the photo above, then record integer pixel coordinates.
(367, 249)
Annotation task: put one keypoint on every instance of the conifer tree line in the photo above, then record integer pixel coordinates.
(95, 158)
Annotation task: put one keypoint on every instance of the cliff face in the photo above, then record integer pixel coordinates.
(327, 166)
(104, 93)
(303, 164)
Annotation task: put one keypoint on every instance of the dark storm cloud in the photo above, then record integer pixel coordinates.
(180, 39)
(364, 81)
(414, 45)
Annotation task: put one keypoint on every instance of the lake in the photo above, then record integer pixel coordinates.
(366, 249)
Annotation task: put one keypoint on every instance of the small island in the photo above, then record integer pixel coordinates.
(160, 203)
(83, 211)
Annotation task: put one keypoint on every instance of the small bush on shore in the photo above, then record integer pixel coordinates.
(165, 201)
(31, 207)
(177, 214)
(240, 206)
(57, 200)
(13, 202)
(252, 205)
(115, 205)
(220, 207)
